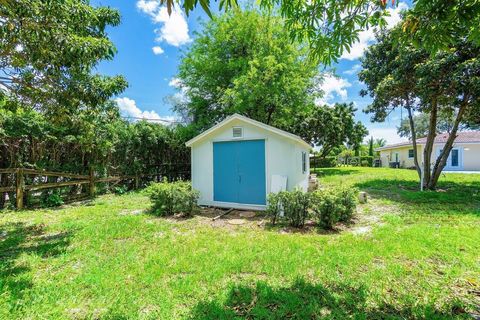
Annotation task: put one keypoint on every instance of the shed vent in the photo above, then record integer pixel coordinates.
(237, 132)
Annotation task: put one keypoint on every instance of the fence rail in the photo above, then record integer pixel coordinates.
(21, 188)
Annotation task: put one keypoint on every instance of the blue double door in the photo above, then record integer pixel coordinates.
(239, 172)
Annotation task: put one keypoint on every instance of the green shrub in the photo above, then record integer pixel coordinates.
(366, 161)
(325, 208)
(170, 198)
(274, 207)
(53, 200)
(348, 199)
(326, 162)
(294, 204)
(120, 190)
(330, 206)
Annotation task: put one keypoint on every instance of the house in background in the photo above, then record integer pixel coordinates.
(239, 161)
(465, 155)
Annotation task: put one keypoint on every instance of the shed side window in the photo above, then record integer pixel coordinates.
(304, 162)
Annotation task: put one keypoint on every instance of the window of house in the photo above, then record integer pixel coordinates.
(304, 162)
(410, 153)
(454, 156)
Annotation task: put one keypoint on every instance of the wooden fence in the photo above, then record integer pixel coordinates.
(87, 183)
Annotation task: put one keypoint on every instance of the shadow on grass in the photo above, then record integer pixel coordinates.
(448, 192)
(304, 300)
(17, 239)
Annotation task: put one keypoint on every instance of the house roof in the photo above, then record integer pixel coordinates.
(462, 137)
(259, 124)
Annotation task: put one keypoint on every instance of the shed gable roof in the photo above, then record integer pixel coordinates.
(259, 124)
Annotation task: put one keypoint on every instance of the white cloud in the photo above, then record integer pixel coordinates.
(353, 70)
(157, 50)
(128, 108)
(149, 6)
(333, 86)
(174, 27)
(395, 16)
(367, 37)
(389, 134)
(175, 82)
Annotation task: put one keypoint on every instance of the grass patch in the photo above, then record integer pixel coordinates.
(110, 260)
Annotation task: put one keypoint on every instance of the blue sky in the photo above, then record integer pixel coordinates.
(150, 44)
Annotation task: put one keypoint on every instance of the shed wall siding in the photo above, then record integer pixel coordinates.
(283, 157)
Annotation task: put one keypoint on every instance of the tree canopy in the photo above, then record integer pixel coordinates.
(398, 74)
(244, 62)
(421, 122)
(331, 27)
(331, 127)
(48, 50)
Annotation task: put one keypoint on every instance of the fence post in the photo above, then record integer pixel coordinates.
(19, 188)
(137, 182)
(91, 188)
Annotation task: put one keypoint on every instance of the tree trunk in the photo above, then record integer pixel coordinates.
(443, 157)
(427, 153)
(414, 140)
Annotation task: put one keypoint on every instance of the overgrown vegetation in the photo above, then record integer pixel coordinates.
(171, 198)
(57, 114)
(103, 142)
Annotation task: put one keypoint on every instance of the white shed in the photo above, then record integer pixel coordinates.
(239, 161)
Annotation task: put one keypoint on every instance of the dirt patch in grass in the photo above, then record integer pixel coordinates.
(234, 219)
(370, 215)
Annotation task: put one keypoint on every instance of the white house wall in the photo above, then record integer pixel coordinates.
(469, 156)
(283, 157)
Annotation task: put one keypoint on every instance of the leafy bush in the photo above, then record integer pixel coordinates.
(325, 208)
(53, 200)
(330, 206)
(120, 190)
(294, 205)
(326, 162)
(366, 161)
(173, 197)
(274, 207)
(348, 200)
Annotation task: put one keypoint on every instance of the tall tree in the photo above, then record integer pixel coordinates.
(371, 143)
(48, 50)
(331, 127)
(244, 62)
(398, 74)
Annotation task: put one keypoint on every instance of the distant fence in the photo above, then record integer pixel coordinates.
(22, 184)
(338, 161)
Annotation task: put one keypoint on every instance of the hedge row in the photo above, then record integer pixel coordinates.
(327, 207)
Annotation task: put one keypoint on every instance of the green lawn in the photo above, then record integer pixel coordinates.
(409, 255)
